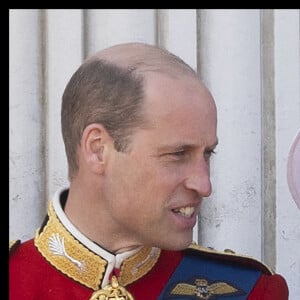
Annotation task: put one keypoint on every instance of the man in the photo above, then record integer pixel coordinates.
(139, 129)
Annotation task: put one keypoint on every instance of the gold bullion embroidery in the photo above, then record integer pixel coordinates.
(204, 291)
(66, 254)
(57, 246)
(112, 291)
(138, 265)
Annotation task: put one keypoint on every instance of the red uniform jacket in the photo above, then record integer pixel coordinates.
(60, 263)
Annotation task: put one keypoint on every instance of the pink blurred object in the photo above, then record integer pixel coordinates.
(293, 169)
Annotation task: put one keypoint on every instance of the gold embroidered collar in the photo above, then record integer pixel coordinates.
(76, 260)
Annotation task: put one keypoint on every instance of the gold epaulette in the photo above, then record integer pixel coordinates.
(13, 245)
(231, 256)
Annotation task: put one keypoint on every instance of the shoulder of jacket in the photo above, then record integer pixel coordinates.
(14, 245)
(229, 255)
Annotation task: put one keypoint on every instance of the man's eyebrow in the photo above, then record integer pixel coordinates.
(184, 146)
(175, 147)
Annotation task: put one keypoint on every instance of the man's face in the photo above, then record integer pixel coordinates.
(157, 186)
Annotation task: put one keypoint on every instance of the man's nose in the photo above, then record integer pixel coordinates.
(198, 178)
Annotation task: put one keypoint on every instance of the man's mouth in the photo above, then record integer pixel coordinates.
(186, 212)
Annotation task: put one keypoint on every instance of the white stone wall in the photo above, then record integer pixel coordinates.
(287, 99)
(250, 61)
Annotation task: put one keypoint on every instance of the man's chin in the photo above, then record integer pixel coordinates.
(177, 246)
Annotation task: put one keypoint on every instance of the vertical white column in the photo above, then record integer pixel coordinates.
(25, 124)
(177, 32)
(229, 54)
(287, 93)
(268, 139)
(64, 55)
(106, 27)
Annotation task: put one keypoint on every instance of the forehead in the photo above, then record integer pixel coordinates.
(180, 107)
(165, 96)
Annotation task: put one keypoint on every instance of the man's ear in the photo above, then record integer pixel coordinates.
(95, 146)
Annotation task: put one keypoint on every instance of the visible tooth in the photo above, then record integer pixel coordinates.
(186, 211)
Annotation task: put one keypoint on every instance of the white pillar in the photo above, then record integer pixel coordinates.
(287, 93)
(229, 53)
(177, 31)
(25, 124)
(64, 55)
(106, 27)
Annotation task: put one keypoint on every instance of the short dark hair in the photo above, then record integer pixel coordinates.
(100, 92)
(109, 90)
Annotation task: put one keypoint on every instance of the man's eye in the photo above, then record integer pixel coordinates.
(209, 153)
(179, 153)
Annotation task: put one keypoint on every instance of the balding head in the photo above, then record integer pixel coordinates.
(108, 88)
(141, 58)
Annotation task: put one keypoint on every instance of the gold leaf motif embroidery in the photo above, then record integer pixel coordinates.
(57, 246)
